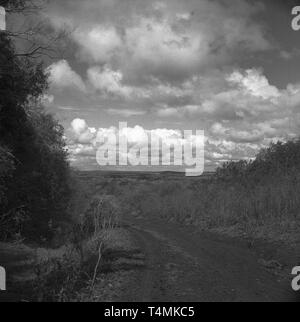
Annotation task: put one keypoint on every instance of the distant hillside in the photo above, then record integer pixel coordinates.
(142, 174)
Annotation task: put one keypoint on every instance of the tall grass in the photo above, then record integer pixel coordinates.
(62, 273)
(257, 199)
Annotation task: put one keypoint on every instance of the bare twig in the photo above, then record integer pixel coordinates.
(97, 265)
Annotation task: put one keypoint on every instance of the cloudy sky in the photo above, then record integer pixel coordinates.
(228, 67)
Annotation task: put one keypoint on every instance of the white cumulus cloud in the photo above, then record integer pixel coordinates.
(62, 76)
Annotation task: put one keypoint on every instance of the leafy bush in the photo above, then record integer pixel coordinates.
(58, 279)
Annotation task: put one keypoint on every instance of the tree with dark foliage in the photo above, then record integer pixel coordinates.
(20, 6)
(278, 159)
(33, 161)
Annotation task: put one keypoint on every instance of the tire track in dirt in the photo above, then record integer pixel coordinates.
(152, 273)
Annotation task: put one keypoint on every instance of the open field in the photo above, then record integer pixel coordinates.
(262, 211)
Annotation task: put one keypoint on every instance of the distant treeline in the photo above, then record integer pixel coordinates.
(34, 172)
(277, 160)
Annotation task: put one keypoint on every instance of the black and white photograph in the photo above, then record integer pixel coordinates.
(149, 153)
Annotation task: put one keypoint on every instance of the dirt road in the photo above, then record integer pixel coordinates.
(159, 261)
(185, 265)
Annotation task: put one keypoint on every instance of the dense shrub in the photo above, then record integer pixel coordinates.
(279, 158)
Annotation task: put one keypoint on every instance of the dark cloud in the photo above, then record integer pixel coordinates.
(167, 40)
